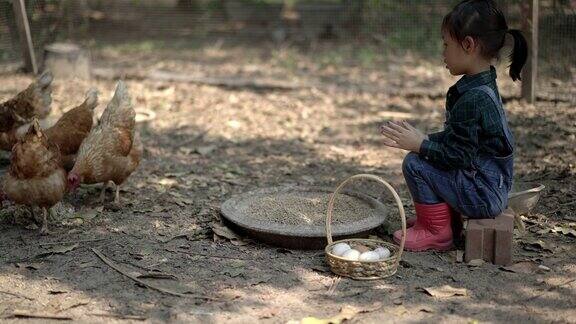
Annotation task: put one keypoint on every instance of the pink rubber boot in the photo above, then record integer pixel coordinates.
(456, 223)
(432, 231)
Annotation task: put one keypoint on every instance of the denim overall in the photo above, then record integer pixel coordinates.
(481, 192)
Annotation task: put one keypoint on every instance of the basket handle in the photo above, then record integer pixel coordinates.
(381, 181)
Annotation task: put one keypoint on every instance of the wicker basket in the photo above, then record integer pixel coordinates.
(364, 270)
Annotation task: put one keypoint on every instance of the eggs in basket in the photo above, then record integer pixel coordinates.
(359, 252)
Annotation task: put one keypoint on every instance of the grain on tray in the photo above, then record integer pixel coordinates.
(306, 208)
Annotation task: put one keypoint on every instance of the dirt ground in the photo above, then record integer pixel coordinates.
(208, 143)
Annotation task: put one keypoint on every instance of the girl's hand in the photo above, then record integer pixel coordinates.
(402, 135)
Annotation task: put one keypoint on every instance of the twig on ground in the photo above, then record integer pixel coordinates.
(83, 303)
(551, 212)
(120, 316)
(441, 257)
(141, 267)
(112, 265)
(208, 255)
(23, 314)
(568, 203)
(70, 242)
(549, 289)
(334, 285)
(15, 295)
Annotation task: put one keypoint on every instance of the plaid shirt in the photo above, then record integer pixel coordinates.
(473, 126)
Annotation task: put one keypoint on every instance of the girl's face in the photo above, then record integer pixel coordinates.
(457, 59)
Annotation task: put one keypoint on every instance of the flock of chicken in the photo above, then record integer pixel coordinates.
(45, 164)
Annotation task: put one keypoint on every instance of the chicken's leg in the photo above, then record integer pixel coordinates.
(117, 196)
(103, 192)
(52, 214)
(44, 228)
(33, 215)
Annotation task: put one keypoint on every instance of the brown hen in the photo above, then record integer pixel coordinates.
(35, 176)
(112, 150)
(33, 102)
(72, 128)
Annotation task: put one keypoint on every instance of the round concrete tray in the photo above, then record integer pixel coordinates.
(298, 236)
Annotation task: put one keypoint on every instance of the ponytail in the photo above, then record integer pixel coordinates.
(519, 54)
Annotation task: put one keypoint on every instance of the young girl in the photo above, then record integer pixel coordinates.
(466, 168)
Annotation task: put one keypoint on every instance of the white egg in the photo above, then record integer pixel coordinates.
(382, 252)
(340, 248)
(351, 255)
(369, 256)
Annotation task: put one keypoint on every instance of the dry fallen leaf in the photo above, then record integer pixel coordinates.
(537, 246)
(233, 272)
(476, 263)
(544, 268)
(445, 291)
(29, 266)
(167, 182)
(58, 250)
(224, 232)
(205, 150)
(426, 309)
(89, 213)
(59, 306)
(564, 230)
(399, 310)
(260, 279)
(396, 297)
(346, 313)
(525, 267)
(268, 312)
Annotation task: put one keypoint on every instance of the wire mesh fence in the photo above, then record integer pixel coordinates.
(383, 26)
(557, 37)
(43, 18)
(9, 47)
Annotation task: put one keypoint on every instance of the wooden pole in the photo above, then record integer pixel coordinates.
(530, 72)
(25, 35)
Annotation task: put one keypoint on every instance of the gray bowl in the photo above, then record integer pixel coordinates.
(299, 236)
(524, 198)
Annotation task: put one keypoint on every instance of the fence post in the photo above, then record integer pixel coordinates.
(530, 72)
(25, 36)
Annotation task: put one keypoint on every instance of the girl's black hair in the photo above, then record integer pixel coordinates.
(483, 21)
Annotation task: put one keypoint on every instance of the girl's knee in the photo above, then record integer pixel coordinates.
(411, 163)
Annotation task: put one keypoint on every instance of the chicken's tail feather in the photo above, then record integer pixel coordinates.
(91, 99)
(45, 79)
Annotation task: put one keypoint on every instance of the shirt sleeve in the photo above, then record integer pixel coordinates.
(437, 137)
(459, 144)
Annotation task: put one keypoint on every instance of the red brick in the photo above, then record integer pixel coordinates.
(490, 239)
(474, 242)
(488, 251)
(503, 238)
